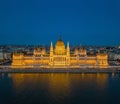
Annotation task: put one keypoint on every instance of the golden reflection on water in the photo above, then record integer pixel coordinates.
(58, 83)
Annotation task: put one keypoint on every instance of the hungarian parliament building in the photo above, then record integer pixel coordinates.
(60, 56)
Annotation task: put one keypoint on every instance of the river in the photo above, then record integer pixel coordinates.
(63, 88)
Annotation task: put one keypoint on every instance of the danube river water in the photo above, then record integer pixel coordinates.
(63, 88)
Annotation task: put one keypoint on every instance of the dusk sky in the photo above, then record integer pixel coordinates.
(87, 22)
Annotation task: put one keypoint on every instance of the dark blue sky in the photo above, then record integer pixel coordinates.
(87, 22)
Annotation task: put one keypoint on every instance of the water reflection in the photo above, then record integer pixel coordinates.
(60, 88)
(58, 83)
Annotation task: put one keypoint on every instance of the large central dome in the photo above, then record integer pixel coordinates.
(60, 47)
(60, 43)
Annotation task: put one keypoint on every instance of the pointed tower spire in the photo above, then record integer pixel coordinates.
(51, 46)
(51, 54)
(68, 47)
(68, 54)
(51, 49)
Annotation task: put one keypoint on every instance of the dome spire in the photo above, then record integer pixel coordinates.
(60, 37)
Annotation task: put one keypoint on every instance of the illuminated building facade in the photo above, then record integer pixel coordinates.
(60, 57)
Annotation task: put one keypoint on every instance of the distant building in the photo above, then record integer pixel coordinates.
(117, 56)
(114, 56)
(5, 55)
(1, 56)
(60, 57)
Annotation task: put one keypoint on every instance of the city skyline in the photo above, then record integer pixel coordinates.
(40, 22)
(59, 51)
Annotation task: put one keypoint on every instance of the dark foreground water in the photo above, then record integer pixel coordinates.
(60, 88)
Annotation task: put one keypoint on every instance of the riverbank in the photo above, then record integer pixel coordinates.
(80, 70)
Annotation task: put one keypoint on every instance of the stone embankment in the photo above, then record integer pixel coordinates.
(9, 69)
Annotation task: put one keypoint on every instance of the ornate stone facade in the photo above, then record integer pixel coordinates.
(60, 57)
